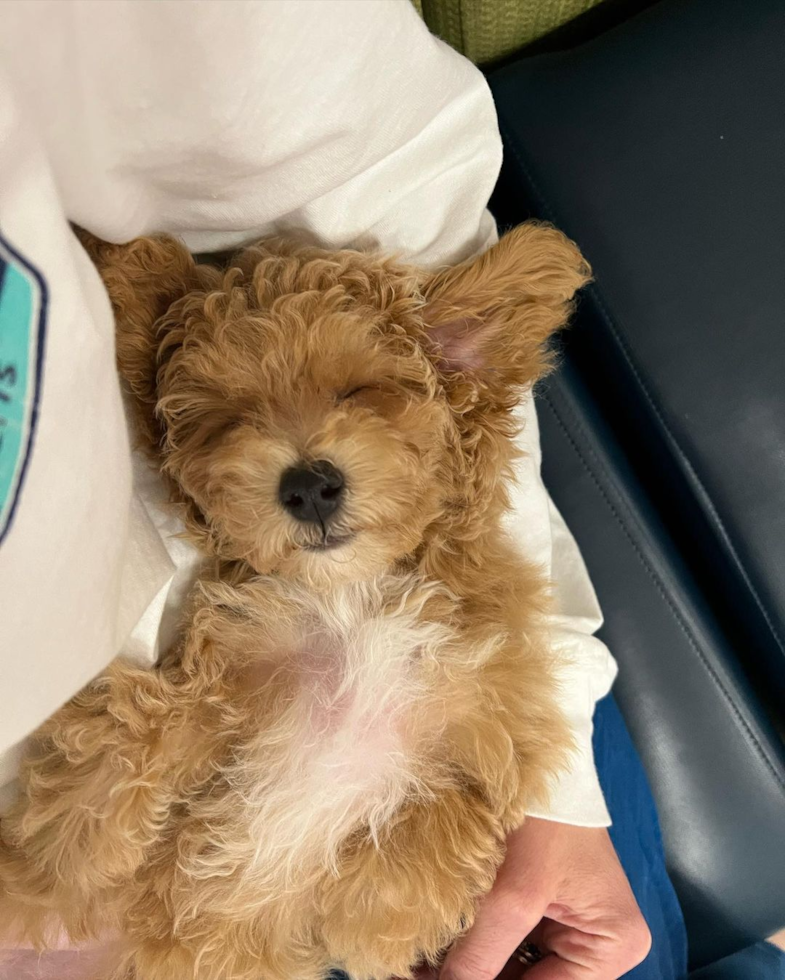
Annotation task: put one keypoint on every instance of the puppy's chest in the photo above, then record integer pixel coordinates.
(347, 701)
(353, 666)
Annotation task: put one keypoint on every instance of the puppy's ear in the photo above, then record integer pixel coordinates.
(143, 278)
(489, 319)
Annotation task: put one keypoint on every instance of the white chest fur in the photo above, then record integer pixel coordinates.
(351, 686)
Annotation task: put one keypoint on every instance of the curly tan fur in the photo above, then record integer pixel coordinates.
(323, 771)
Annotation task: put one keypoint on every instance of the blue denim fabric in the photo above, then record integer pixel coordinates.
(636, 836)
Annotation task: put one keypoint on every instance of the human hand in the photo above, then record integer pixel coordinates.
(563, 888)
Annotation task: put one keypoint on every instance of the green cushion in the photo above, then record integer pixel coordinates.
(486, 30)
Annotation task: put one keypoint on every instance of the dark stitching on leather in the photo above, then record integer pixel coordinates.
(690, 468)
(683, 626)
(621, 343)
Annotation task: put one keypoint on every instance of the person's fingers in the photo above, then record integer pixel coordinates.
(503, 920)
(589, 928)
(553, 967)
(605, 954)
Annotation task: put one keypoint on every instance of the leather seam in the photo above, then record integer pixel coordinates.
(662, 591)
(626, 353)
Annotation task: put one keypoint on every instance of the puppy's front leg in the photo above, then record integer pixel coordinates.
(96, 793)
(406, 896)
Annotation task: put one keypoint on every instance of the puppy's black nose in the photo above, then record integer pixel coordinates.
(312, 492)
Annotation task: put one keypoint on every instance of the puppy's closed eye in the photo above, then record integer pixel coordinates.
(343, 396)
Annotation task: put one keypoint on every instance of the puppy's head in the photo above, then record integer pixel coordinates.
(323, 415)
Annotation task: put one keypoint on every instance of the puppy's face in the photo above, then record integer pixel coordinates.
(313, 438)
(323, 413)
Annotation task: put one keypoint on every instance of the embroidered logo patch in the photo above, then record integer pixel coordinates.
(23, 300)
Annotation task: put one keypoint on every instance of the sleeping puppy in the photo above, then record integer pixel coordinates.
(322, 772)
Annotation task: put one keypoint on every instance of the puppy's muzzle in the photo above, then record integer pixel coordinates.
(312, 492)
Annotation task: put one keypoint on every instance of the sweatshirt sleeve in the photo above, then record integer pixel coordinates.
(587, 668)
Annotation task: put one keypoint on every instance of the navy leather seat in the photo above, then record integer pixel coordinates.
(659, 146)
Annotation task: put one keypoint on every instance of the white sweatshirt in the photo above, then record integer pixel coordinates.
(221, 121)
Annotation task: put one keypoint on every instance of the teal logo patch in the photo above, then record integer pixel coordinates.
(23, 302)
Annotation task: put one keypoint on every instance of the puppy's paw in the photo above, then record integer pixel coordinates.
(95, 794)
(407, 896)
